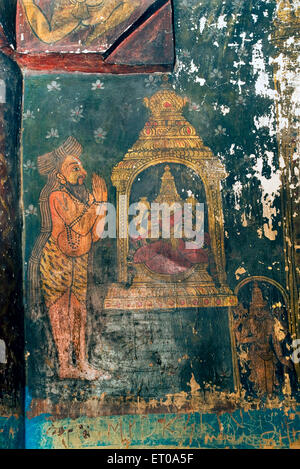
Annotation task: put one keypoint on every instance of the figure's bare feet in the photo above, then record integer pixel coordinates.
(91, 374)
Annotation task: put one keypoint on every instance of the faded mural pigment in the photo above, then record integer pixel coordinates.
(137, 341)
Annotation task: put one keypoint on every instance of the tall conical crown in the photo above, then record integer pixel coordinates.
(168, 192)
(165, 103)
(257, 298)
(167, 127)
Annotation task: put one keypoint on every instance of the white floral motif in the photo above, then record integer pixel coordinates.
(76, 114)
(28, 115)
(194, 107)
(31, 210)
(152, 80)
(97, 85)
(220, 130)
(215, 73)
(29, 165)
(186, 53)
(100, 135)
(52, 133)
(54, 86)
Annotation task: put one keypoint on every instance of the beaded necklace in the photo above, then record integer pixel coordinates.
(73, 238)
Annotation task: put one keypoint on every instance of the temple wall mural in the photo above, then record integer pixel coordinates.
(149, 225)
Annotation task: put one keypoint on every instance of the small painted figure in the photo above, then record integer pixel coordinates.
(70, 15)
(256, 329)
(72, 220)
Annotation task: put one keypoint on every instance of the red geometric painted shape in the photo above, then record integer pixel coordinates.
(150, 43)
(68, 26)
(142, 54)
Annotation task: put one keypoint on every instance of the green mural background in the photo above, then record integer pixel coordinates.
(224, 67)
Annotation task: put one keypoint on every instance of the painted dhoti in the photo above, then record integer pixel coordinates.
(60, 273)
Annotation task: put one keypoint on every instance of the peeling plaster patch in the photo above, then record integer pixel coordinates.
(289, 79)
(3, 358)
(2, 92)
(221, 23)
(262, 85)
(190, 70)
(237, 189)
(202, 24)
(266, 121)
(239, 272)
(268, 212)
(290, 41)
(295, 99)
(194, 385)
(283, 72)
(244, 39)
(244, 220)
(270, 189)
(193, 67)
(239, 83)
(200, 80)
(238, 64)
(281, 162)
(224, 110)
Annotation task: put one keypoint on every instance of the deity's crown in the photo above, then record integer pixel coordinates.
(168, 192)
(165, 102)
(257, 298)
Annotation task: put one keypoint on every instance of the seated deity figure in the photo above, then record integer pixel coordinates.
(166, 255)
